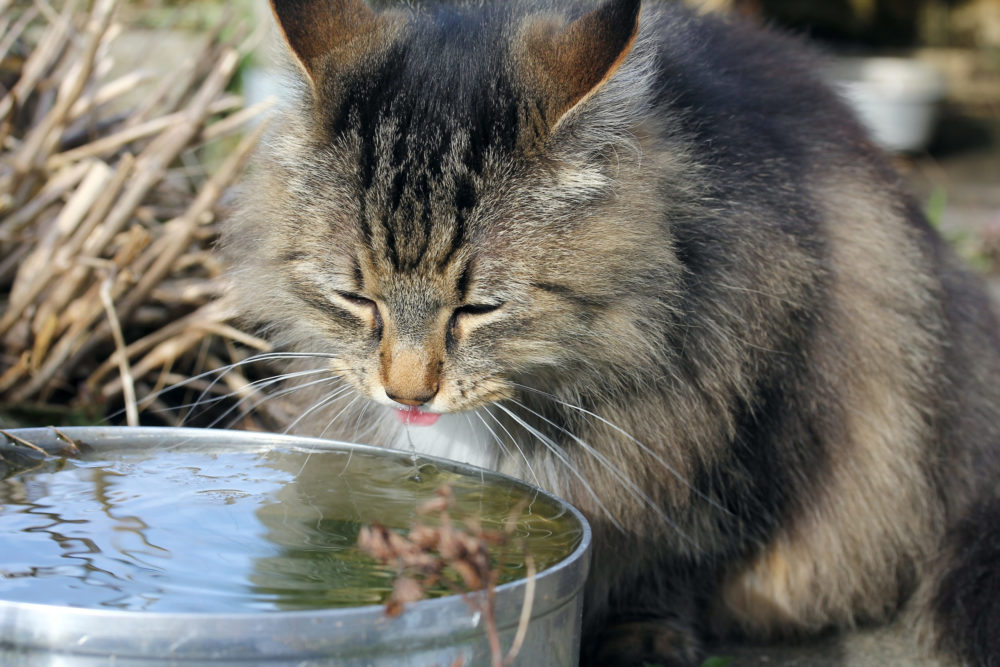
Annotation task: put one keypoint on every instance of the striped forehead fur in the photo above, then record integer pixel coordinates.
(427, 118)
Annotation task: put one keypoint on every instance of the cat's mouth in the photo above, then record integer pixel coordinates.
(416, 416)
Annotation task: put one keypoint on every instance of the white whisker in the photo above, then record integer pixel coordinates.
(357, 422)
(216, 375)
(256, 385)
(634, 489)
(344, 409)
(222, 370)
(321, 403)
(472, 429)
(561, 455)
(513, 441)
(657, 457)
(496, 438)
(261, 399)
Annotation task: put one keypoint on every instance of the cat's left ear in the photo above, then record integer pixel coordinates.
(568, 63)
(329, 34)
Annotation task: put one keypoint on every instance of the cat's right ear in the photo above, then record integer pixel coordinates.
(328, 33)
(570, 62)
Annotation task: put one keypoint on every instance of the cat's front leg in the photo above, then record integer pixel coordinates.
(643, 643)
(643, 607)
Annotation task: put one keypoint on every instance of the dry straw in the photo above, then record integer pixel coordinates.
(109, 290)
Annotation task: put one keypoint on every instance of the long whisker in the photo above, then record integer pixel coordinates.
(264, 356)
(344, 409)
(321, 403)
(260, 399)
(496, 438)
(216, 375)
(371, 429)
(561, 455)
(220, 372)
(357, 422)
(513, 441)
(657, 457)
(635, 490)
(256, 385)
(516, 445)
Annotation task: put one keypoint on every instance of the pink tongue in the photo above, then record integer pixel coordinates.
(416, 416)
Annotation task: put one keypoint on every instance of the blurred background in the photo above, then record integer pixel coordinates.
(124, 123)
(925, 77)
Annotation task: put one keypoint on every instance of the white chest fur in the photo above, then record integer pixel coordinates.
(460, 437)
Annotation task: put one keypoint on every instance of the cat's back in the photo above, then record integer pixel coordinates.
(755, 101)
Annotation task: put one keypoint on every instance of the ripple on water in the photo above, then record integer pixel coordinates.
(238, 531)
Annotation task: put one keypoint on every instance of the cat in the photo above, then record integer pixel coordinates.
(655, 261)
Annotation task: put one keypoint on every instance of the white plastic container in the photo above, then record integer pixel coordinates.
(895, 98)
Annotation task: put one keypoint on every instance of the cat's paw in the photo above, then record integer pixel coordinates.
(648, 643)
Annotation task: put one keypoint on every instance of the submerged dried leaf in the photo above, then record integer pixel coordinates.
(426, 538)
(429, 552)
(433, 505)
(406, 590)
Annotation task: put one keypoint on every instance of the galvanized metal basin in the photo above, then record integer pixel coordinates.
(439, 631)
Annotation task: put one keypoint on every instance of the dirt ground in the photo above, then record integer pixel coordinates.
(960, 188)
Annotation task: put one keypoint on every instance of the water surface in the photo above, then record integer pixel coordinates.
(239, 531)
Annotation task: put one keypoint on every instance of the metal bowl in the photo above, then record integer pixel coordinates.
(440, 631)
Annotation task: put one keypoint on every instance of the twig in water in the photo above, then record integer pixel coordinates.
(24, 443)
(72, 446)
(426, 552)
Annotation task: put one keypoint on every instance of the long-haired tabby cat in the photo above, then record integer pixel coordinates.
(656, 264)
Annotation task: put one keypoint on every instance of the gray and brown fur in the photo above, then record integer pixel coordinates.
(668, 222)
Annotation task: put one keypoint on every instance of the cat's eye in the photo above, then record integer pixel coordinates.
(478, 309)
(467, 313)
(356, 299)
(369, 310)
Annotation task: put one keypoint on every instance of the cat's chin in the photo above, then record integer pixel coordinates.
(416, 416)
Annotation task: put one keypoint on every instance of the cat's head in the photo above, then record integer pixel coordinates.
(458, 203)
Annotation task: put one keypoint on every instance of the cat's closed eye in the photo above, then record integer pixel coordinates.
(357, 300)
(364, 307)
(478, 309)
(467, 315)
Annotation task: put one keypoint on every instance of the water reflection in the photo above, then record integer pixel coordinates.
(208, 531)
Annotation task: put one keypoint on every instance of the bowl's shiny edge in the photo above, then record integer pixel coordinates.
(317, 628)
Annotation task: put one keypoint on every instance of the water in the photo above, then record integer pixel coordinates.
(236, 531)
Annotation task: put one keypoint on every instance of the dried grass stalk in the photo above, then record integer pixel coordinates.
(107, 282)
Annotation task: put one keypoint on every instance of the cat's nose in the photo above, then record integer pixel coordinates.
(412, 400)
(410, 375)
